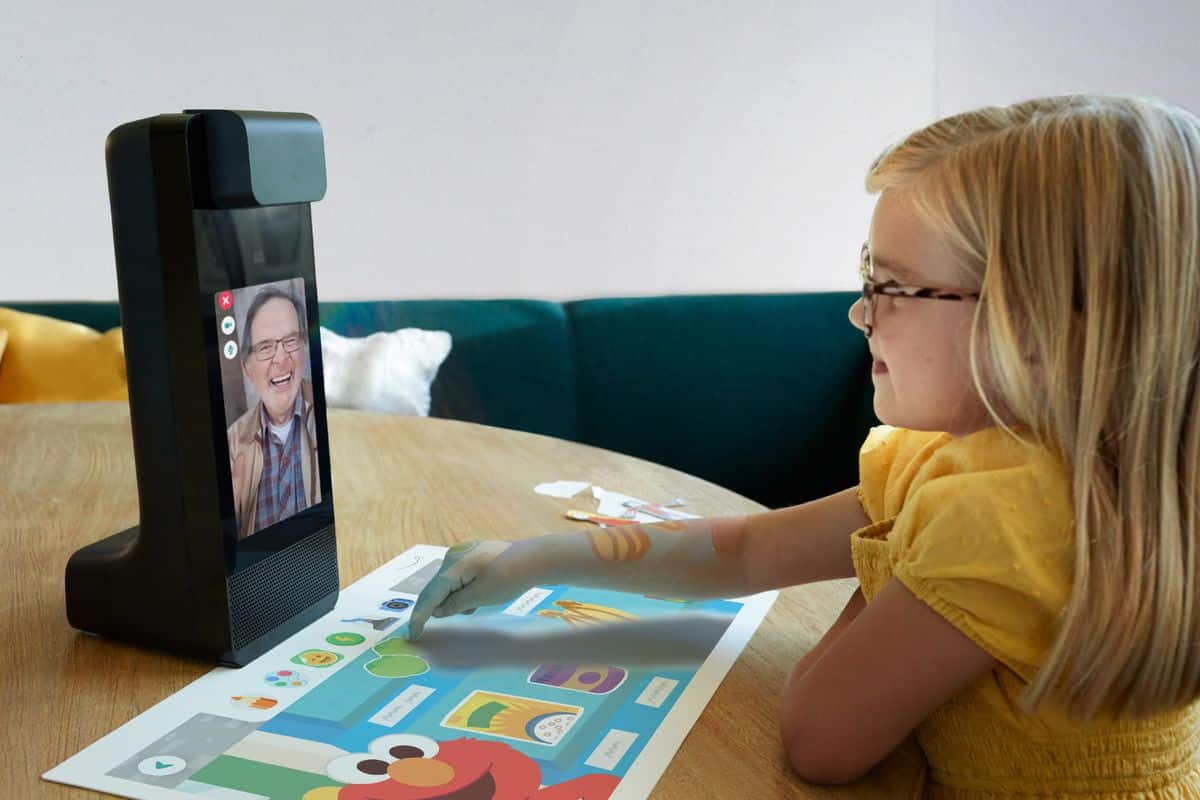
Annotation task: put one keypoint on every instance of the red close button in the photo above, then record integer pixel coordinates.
(225, 300)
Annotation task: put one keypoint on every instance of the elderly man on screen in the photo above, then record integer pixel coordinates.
(273, 446)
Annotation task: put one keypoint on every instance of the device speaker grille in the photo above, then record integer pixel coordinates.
(277, 588)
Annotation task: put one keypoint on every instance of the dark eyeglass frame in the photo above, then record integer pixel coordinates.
(291, 343)
(871, 288)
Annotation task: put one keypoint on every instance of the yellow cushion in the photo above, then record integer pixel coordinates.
(48, 360)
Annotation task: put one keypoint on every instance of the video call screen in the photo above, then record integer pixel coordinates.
(266, 380)
(260, 313)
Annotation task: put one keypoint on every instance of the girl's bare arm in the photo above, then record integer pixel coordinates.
(723, 557)
(799, 544)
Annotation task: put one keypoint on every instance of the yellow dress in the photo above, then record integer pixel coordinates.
(980, 529)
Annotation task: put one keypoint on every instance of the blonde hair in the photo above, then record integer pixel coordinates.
(1079, 216)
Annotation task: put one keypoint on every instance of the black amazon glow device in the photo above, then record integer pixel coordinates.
(235, 547)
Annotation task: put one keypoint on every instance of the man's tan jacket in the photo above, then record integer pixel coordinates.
(245, 440)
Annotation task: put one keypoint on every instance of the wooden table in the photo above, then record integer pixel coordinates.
(67, 479)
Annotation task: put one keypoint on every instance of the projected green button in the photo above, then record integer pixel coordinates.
(345, 639)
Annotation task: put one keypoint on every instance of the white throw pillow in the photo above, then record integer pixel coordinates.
(389, 372)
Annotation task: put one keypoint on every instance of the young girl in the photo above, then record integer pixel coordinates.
(1025, 527)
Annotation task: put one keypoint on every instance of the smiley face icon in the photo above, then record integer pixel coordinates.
(316, 658)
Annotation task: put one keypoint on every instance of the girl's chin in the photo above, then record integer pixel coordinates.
(882, 411)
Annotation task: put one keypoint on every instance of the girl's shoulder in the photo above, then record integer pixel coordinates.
(887, 463)
(990, 467)
(982, 531)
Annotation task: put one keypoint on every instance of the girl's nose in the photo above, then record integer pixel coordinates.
(856, 315)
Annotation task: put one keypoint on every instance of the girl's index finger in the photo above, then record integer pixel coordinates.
(432, 596)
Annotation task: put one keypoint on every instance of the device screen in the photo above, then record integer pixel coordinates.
(256, 269)
(266, 380)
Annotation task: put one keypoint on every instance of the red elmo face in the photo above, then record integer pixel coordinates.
(408, 767)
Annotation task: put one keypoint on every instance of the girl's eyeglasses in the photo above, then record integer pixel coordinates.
(872, 288)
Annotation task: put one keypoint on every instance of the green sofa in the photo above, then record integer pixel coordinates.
(769, 395)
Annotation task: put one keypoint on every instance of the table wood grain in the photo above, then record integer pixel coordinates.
(67, 479)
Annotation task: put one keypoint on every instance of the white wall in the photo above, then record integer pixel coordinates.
(546, 148)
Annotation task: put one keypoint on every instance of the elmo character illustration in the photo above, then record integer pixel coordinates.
(408, 767)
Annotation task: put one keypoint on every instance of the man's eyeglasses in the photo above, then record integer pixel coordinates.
(265, 350)
(872, 288)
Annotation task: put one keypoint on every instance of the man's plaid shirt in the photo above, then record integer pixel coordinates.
(281, 490)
